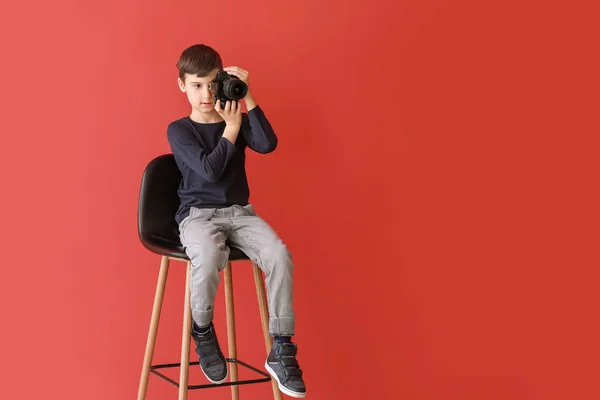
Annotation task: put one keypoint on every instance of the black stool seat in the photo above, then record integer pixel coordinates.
(157, 207)
(173, 248)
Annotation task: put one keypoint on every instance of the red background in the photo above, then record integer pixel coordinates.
(436, 181)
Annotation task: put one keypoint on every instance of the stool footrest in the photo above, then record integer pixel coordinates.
(266, 378)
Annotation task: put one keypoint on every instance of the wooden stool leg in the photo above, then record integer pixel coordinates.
(185, 338)
(264, 316)
(158, 299)
(235, 395)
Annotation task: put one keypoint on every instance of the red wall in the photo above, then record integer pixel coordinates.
(436, 182)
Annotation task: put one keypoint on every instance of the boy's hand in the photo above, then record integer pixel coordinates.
(239, 73)
(231, 113)
(244, 76)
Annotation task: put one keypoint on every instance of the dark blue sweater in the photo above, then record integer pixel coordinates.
(213, 169)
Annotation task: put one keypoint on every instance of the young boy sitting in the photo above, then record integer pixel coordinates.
(209, 147)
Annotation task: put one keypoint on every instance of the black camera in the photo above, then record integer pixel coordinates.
(228, 87)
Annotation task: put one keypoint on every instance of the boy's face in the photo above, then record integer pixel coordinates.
(199, 92)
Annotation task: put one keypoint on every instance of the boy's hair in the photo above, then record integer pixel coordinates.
(198, 60)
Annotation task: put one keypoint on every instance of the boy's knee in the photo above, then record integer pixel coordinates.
(278, 255)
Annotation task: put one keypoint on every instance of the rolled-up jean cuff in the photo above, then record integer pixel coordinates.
(282, 326)
(202, 317)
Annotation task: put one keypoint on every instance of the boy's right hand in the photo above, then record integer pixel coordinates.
(231, 113)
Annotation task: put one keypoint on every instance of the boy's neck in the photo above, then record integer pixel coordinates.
(205, 118)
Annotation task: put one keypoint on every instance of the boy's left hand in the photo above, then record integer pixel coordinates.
(238, 73)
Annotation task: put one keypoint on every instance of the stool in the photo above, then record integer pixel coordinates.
(158, 232)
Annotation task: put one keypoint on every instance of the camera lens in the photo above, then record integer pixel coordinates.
(235, 89)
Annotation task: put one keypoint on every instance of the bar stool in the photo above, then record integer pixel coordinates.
(158, 232)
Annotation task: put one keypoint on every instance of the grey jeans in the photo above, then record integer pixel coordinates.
(206, 234)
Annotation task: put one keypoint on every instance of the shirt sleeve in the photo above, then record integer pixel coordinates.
(258, 133)
(209, 165)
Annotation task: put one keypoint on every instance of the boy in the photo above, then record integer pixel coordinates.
(209, 148)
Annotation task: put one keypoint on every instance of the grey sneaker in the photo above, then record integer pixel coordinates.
(282, 365)
(212, 361)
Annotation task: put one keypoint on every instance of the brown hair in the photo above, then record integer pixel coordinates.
(198, 60)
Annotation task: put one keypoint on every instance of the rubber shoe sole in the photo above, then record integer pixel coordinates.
(284, 390)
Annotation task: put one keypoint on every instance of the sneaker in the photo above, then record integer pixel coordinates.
(282, 366)
(212, 361)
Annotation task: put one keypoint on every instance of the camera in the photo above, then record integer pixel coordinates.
(228, 87)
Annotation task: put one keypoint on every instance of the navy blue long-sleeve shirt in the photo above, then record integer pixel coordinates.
(214, 169)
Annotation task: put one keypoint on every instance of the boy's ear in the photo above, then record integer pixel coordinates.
(181, 85)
